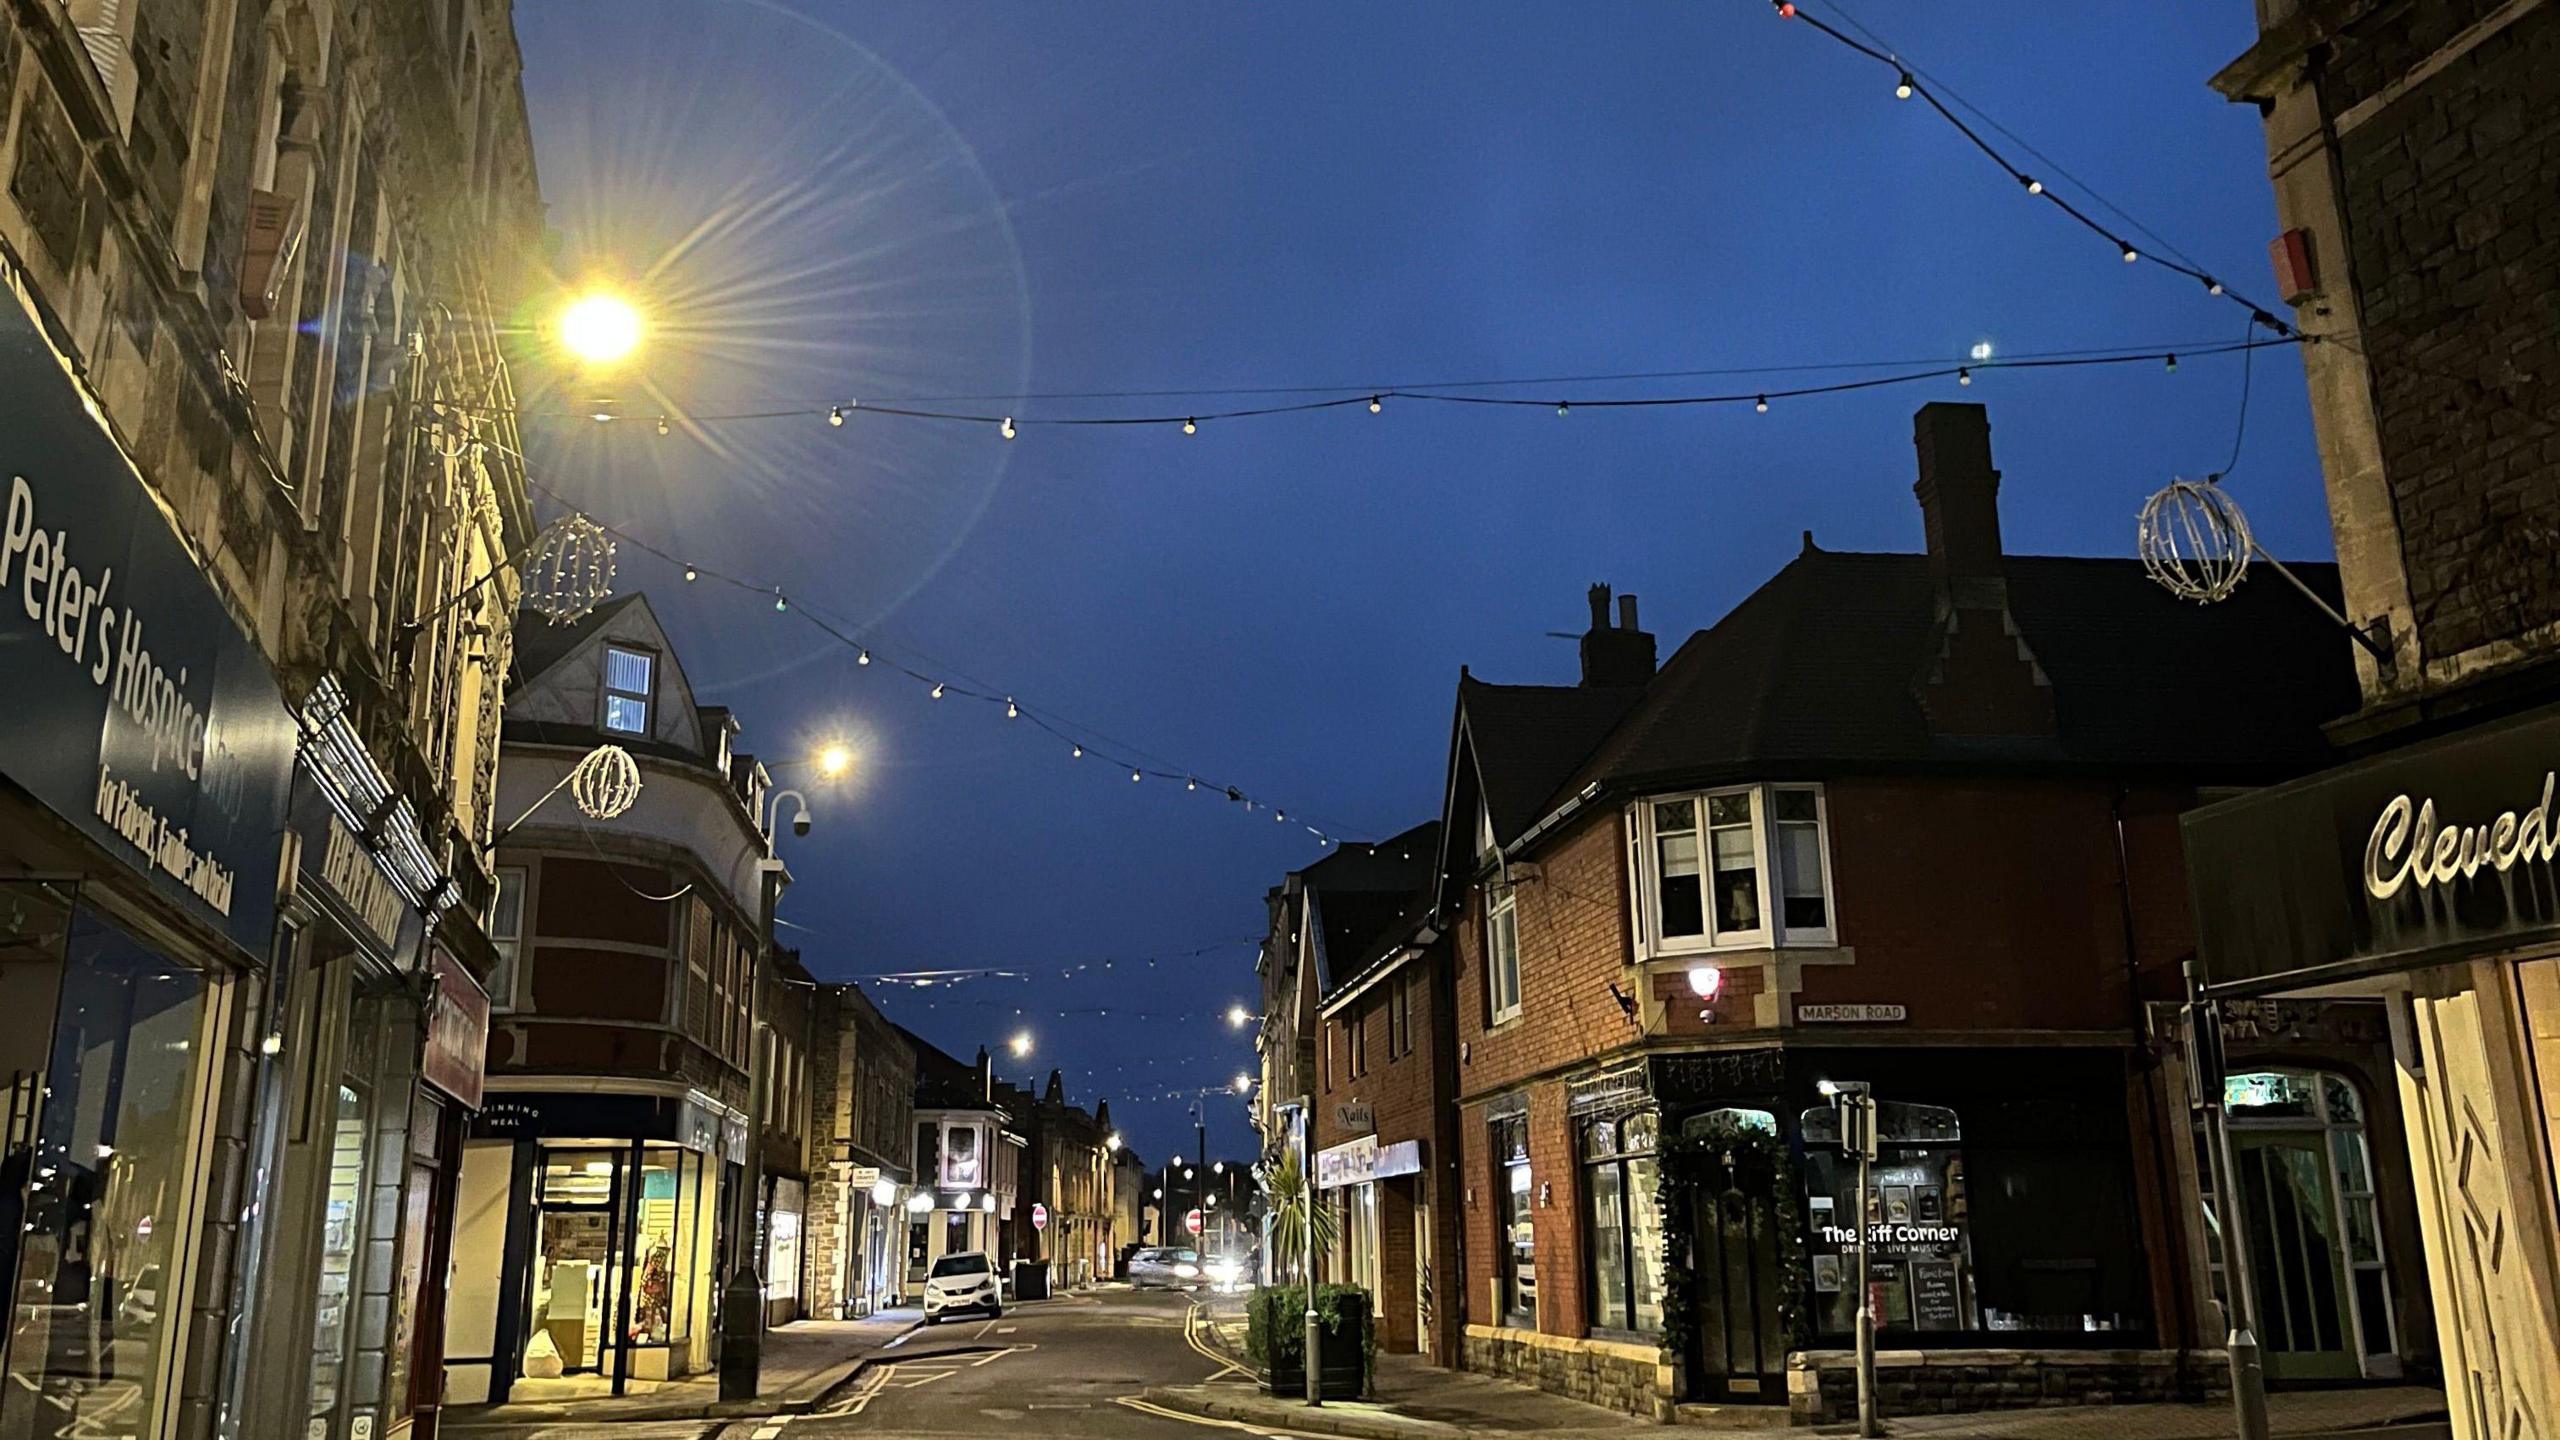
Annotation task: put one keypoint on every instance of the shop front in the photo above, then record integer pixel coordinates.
(603, 1212)
(145, 793)
(1383, 1235)
(2423, 880)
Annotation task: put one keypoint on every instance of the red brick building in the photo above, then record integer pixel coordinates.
(1906, 819)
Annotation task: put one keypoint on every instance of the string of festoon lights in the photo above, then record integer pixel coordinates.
(1908, 85)
(1082, 742)
(1375, 400)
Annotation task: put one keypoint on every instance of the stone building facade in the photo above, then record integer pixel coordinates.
(252, 253)
(862, 1102)
(2416, 156)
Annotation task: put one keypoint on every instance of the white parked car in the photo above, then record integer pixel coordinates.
(1164, 1267)
(964, 1280)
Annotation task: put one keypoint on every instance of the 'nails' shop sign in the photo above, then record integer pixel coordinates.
(136, 710)
(2423, 854)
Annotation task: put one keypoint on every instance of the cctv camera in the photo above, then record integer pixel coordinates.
(800, 823)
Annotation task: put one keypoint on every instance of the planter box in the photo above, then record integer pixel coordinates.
(1342, 1361)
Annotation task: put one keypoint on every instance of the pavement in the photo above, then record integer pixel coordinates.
(803, 1361)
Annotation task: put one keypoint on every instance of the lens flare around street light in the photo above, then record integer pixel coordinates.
(1237, 1015)
(834, 761)
(600, 328)
(1020, 1044)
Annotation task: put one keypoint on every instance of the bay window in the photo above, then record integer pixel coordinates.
(1502, 954)
(1732, 868)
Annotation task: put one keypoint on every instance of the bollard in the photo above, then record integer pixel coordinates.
(742, 1335)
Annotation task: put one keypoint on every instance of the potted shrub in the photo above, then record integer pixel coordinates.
(1346, 1340)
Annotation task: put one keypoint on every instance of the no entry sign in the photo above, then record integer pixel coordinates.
(1039, 1217)
(1192, 1222)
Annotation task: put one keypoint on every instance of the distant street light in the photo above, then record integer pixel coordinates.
(1244, 1083)
(1020, 1044)
(600, 328)
(834, 761)
(1218, 1169)
(1237, 1015)
(1111, 1141)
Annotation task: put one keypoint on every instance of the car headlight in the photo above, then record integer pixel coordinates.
(1187, 1271)
(1225, 1272)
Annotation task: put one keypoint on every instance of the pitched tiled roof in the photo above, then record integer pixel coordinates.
(1820, 669)
(541, 644)
(1529, 738)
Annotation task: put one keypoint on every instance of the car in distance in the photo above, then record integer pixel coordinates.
(1165, 1267)
(962, 1281)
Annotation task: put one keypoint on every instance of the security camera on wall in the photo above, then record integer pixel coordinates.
(800, 823)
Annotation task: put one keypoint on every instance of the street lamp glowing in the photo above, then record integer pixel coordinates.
(1219, 1168)
(600, 328)
(834, 761)
(1111, 1141)
(1244, 1083)
(1237, 1015)
(1020, 1044)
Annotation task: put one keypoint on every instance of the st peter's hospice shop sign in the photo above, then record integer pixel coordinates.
(129, 702)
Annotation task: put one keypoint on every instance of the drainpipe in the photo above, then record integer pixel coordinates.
(2133, 1009)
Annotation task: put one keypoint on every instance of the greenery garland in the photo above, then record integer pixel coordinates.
(1690, 1163)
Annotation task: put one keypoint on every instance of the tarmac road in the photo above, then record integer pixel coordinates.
(1066, 1368)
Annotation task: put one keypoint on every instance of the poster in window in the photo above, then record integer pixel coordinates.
(1892, 1294)
(1897, 1204)
(1928, 1205)
(1826, 1274)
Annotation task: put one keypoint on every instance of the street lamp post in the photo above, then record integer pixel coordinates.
(742, 1303)
(1856, 1104)
(2205, 1095)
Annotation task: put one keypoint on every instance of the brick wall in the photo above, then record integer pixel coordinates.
(1573, 947)
(2451, 194)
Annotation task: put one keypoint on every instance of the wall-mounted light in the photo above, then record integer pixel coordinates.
(884, 1193)
(919, 1202)
(1705, 981)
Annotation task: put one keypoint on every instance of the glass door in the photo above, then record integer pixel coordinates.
(2293, 1228)
(577, 1264)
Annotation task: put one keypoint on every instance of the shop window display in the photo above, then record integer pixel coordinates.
(98, 1164)
(1918, 1218)
(1622, 1190)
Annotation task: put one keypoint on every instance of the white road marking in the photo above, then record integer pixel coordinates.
(1167, 1412)
(1007, 1329)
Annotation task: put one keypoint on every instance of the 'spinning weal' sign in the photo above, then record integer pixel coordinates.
(149, 720)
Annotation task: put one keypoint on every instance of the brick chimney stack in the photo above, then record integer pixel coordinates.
(1620, 656)
(1960, 504)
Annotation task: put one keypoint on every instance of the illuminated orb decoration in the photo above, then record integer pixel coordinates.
(2195, 541)
(570, 571)
(606, 783)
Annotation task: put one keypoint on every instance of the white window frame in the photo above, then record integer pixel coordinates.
(1502, 905)
(511, 946)
(1645, 857)
(607, 692)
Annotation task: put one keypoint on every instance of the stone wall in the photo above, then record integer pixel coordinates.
(1822, 1385)
(1631, 1379)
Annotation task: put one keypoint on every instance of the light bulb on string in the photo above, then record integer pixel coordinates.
(835, 415)
(1190, 427)
(1564, 407)
(1190, 784)
(662, 424)
(691, 574)
(1963, 376)
(1076, 752)
(1006, 430)
(781, 601)
(2173, 364)
(1136, 775)
(1011, 710)
(937, 689)
(1374, 405)
(1902, 88)
(862, 659)
(1761, 404)
(2212, 286)
(2034, 185)
(2131, 254)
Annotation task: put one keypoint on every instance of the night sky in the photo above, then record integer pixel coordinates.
(894, 201)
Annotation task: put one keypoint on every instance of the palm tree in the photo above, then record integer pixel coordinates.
(1284, 1190)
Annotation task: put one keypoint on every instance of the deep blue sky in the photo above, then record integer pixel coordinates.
(943, 197)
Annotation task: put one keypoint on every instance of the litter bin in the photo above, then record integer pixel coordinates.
(1030, 1279)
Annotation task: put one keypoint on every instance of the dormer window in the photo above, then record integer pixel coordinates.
(628, 685)
(1734, 868)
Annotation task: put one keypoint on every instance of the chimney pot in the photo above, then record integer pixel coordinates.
(1626, 612)
(1620, 656)
(1599, 607)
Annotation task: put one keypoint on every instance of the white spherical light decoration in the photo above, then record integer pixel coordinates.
(606, 782)
(570, 571)
(2194, 541)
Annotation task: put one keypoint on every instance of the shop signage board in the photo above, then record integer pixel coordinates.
(1850, 1014)
(457, 1031)
(862, 1177)
(1355, 1115)
(341, 877)
(2432, 851)
(1357, 1162)
(159, 731)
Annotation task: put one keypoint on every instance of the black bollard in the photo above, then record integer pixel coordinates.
(742, 1335)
